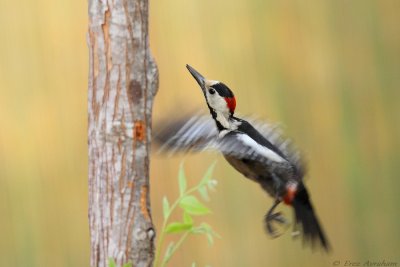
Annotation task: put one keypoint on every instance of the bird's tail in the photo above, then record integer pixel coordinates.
(307, 219)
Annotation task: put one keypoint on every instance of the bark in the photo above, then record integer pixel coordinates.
(123, 81)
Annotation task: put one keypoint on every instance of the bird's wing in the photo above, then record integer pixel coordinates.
(196, 133)
(187, 135)
(274, 134)
(199, 133)
(240, 145)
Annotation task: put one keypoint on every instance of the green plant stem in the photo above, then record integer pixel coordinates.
(176, 246)
(164, 225)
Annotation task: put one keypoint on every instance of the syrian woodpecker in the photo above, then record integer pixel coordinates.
(255, 149)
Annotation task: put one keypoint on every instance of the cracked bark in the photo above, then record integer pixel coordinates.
(123, 81)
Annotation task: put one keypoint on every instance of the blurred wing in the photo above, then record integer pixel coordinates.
(187, 135)
(196, 133)
(274, 134)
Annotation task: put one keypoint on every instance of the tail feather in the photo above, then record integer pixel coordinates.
(305, 217)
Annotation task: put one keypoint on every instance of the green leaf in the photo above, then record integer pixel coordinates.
(207, 176)
(201, 229)
(182, 180)
(207, 230)
(187, 218)
(193, 206)
(166, 208)
(193, 264)
(203, 192)
(111, 263)
(210, 239)
(176, 227)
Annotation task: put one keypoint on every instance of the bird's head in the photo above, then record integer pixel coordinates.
(219, 98)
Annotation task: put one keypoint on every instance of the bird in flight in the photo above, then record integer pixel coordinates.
(255, 149)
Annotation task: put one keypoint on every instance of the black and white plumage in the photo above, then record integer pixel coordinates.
(199, 133)
(255, 149)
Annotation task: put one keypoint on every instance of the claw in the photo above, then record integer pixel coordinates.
(274, 217)
(272, 230)
(278, 217)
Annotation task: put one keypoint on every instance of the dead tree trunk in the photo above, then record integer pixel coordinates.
(122, 84)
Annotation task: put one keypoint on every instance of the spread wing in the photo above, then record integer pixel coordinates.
(189, 134)
(198, 133)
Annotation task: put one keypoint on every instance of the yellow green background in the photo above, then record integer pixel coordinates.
(329, 71)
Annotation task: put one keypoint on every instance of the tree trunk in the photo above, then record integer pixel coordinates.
(123, 81)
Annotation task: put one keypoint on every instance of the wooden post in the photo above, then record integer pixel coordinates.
(123, 81)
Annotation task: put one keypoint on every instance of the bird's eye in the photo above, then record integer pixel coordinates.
(211, 91)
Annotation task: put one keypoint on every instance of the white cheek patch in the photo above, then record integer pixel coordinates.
(262, 150)
(218, 103)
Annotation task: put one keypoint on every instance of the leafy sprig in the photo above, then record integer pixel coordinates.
(111, 263)
(190, 206)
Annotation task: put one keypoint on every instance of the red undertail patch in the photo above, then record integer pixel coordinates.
(291, 190)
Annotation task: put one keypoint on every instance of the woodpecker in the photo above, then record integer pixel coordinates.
(255, 149)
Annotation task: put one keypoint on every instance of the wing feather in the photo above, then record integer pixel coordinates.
(198, 133)
(187, 135)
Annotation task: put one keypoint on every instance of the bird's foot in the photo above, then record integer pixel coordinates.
(276, 218)
(271, 218)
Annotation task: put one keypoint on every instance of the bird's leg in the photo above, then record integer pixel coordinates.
(277, 217)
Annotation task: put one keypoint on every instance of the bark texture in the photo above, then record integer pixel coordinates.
(123, 81)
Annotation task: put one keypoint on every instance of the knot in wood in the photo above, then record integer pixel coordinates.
(139, 131)
(135, 92)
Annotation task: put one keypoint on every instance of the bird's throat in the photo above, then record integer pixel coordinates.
(224, 121)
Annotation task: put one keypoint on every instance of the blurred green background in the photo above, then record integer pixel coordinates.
(328, 70)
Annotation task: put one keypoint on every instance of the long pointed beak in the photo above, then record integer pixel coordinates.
(198, 77)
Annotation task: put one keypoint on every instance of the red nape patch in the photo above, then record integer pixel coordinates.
(231, 103)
